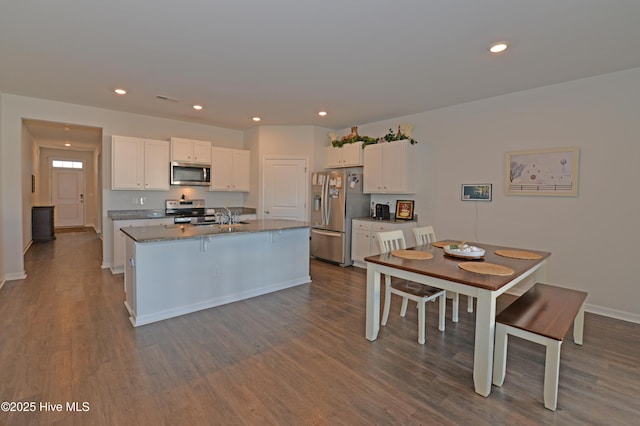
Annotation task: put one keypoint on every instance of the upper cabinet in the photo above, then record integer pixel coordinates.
(190, 151)
(139, 163)
(389, 168)
(349, 155)
(230, 169)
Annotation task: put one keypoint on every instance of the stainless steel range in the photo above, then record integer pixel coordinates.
(190, 211)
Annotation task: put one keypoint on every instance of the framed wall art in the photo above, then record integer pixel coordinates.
(476, 192)
(542, 172)
(404, 210)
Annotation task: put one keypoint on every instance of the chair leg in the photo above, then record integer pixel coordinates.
(469, 304)
(455, 298)
(403, 310)
(387, 299)
(442, 312)
(551, 373)
(421, 315)
(500, 355)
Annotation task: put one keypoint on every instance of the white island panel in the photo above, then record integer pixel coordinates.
(165, 279)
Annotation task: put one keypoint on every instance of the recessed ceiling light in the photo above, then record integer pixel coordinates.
(67, 144)
(256, 118)
(322, 113)
(197, 107)
(120, 91)
(498, 47)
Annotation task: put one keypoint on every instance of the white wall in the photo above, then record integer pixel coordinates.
(593, 237)
(15, 108)
(284, 141)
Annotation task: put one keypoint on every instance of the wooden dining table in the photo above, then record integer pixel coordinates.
(442, 271)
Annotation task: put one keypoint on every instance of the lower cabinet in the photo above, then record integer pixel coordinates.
(117, 263)
(363, 237)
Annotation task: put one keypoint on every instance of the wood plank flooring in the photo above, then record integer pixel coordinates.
(295, 357)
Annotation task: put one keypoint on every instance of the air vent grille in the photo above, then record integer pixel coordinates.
(167, 98)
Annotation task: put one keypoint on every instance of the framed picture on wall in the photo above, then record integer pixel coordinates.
(404, 210)
(543, 172)
(476, 192)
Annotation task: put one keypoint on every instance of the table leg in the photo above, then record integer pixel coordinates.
(373, 303)
(483, 352)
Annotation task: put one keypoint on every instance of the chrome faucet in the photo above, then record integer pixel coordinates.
(229, 216)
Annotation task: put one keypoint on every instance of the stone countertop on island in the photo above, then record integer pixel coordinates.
(160, 213)
(159, 233)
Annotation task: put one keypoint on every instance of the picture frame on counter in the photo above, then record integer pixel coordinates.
(404, 210)
(477, 192)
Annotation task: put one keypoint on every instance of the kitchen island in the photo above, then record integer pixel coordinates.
(172, 270)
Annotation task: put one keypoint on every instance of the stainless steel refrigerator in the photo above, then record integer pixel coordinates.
(337, 198)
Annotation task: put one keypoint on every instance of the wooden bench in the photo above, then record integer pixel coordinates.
(543, 315)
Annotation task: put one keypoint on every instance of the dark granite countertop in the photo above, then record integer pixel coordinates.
(160, 213)
(158, 233)
(371, 219)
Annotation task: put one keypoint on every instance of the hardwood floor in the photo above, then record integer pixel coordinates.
(297, 356)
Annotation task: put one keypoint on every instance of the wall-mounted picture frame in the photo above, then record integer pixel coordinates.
(543, 172)
(404, 210)
(477, 192)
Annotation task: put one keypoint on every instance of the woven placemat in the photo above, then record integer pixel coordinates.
(441, 244)
(518, 254)
(412, 254)
(486, 268)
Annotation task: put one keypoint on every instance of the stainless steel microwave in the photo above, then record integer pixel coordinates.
(187, 174)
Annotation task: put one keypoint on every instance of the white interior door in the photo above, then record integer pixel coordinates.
(67, 186)
(285, 189)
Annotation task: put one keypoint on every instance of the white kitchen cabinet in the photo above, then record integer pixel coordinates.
(190, 151)
(230, 169)
(138, 164)
(117, 263)
(363, 237)
(349, 155)
(389, 168)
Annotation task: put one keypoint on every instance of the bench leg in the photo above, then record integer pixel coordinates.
(469, 304)
(551, 374)
(500, 355)
(578, 326)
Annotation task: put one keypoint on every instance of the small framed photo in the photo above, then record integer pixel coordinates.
(476, 192)
(404, 210)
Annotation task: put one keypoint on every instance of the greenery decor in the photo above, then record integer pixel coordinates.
(390, 137)
(367, 140)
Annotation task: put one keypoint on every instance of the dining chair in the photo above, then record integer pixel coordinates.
(426, 235)
(394, 240)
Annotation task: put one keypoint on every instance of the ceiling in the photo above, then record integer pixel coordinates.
(285, 60)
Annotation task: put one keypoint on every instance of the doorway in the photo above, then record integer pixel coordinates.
(67, 195)
(285, 188)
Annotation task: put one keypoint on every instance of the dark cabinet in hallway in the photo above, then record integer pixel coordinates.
(42, 223)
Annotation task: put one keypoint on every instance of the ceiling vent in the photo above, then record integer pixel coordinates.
(167, 98)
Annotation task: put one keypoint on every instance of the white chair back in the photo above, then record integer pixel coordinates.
(391, 240)
(424, 235)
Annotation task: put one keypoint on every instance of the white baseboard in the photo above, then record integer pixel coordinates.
(16, 276)
(27, 247)
(2, 283)
(612, 313)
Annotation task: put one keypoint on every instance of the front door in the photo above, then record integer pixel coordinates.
(285, 189)
(67, 196)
